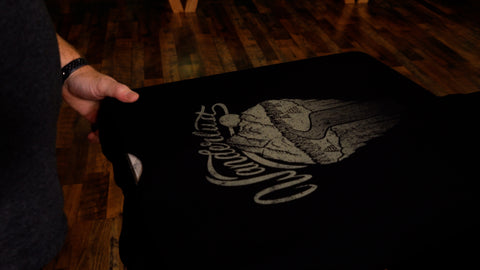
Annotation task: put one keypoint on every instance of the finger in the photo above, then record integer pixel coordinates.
(93, 137)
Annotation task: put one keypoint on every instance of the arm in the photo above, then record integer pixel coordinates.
(85, 87)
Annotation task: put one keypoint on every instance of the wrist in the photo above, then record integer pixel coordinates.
(72, 66)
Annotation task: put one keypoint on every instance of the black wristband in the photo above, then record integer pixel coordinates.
(72, 66)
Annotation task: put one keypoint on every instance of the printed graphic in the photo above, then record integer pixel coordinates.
(276, 139)
(135, 166)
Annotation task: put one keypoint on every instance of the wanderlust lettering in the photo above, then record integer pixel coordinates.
(241, 170)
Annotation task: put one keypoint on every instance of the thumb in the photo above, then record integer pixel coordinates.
(109, 87)
(123, 93)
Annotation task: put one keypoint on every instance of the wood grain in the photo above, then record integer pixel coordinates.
(435, 43)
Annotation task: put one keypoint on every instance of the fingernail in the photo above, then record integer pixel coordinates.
(132, 96)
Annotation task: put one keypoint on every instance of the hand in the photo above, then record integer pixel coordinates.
(84, 89)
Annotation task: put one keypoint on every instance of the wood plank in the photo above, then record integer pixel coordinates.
(246, 38)
(169, 58)
(151, 45)
(114, 198)
(231, 38)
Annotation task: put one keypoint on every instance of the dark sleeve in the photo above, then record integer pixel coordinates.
(32, 224)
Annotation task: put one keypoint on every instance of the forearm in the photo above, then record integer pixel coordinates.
(67, 51)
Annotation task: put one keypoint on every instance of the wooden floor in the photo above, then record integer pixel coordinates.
(435, 43)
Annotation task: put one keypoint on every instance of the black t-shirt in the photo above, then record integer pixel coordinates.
(32, 222)
(328, 163)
